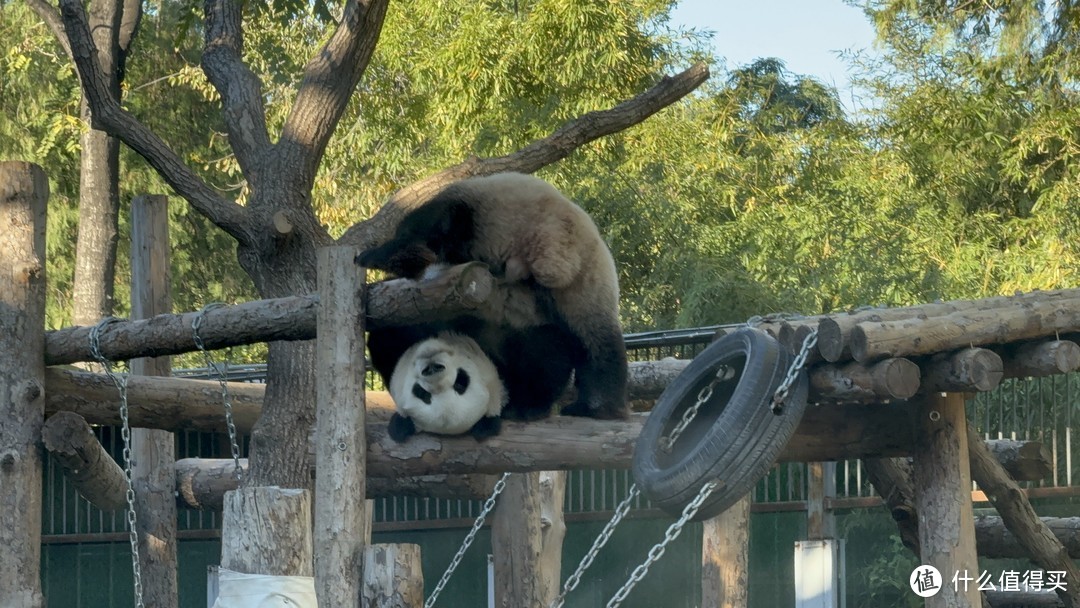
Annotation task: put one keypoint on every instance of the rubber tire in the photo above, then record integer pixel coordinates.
(735, 438)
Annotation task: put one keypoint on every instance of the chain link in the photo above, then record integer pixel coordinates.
(783, 391)
(601, 540)
(723, 374)
(120, 382)
(223, 378)
(489, 504)
(657, 551)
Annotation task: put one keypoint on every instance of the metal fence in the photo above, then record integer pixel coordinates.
(1038, 409)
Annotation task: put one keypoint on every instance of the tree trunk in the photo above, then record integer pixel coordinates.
(725, 557)
(24, 191)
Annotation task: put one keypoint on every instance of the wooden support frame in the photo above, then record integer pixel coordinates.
(24, 192)
(153, 451)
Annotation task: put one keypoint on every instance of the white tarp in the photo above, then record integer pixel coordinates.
(239, 590)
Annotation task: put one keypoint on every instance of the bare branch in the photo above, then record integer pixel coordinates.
(51, 17)
(330, 78)
(532, 157)
(108, 116)
(239, 87)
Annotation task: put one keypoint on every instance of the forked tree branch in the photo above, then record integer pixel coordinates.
(239, 87)
(330, 78)
(534, 156)
(108, 116)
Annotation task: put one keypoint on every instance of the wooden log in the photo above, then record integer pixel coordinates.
(552, 533)
(393, 577)
(891, 478)
(24, 192)
(1038, 359)
(87, 465)
(201, 483)
(910, 337)
(851, 381)
(821, 487)
(964, 371)
(340, 437)
(834, 331)
(725, 557)
(1022, 460)
(943, 497)
(184, 404)
(1023, 599)
(153, 451)
(522, 577)
(270, 543)
(1020, 518)
(395, 302)
(995, 539)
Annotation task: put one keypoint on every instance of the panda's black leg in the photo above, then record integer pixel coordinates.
(488, 426)
(601, 379)
(400, 258)
(400, 428)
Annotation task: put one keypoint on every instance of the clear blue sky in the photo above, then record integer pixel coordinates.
(805, 34)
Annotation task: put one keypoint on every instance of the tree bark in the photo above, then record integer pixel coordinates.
(963, 371)
(393, 577)
(520, 542)
(340, 439)
(943, 500)
(995, 540)
(153, 451)
(259, 535)
(24, 192)
(725, 557)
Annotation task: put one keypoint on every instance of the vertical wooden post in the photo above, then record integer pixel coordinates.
(942, 477)
(725, 549)
(821, 487)
(526, 538)
(392, 576)
(24, 191)
(153, 452)
(340, 438)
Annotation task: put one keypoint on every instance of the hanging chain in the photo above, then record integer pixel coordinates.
(783, 391)
(723, 374)
(489, 504)
(601, 540)
(223, 377)
(657, 551)
(120, 382)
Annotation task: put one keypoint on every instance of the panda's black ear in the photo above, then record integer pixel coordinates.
(461, 383)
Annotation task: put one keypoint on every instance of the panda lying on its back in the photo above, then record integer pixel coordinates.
(447, 385)
(536, 240)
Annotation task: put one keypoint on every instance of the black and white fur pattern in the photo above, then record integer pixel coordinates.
(446, 385)
(537, 240)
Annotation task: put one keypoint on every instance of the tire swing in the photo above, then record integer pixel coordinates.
(727, 417)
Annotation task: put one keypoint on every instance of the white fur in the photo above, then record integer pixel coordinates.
(448, 413)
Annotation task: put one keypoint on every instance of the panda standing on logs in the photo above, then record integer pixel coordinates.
(561, 312)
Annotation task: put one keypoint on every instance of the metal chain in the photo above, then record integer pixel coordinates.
(601, 540)
(657, 551)
(783, 391)
(120, 382)
(723, 374)
(223, 377)
(489, 504)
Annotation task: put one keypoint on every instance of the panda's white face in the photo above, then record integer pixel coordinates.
(446, 384)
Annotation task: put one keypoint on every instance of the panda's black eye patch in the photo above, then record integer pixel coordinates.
(461, 383)
(421, 394)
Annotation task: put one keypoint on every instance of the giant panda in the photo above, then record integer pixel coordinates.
(445, 384)
(534, 238)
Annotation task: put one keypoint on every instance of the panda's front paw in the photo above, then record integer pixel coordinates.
(400, 428)
(406, 260)
(486, 427)
(607, 411)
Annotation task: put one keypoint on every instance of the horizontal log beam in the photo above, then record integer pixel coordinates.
(964, 371)
(180, 404)
(201, 483)
(1023, 599)
(1034, 319)
(1038, 359)
(834, 331)
(395, 302)
(890, 379)
(995, 540)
